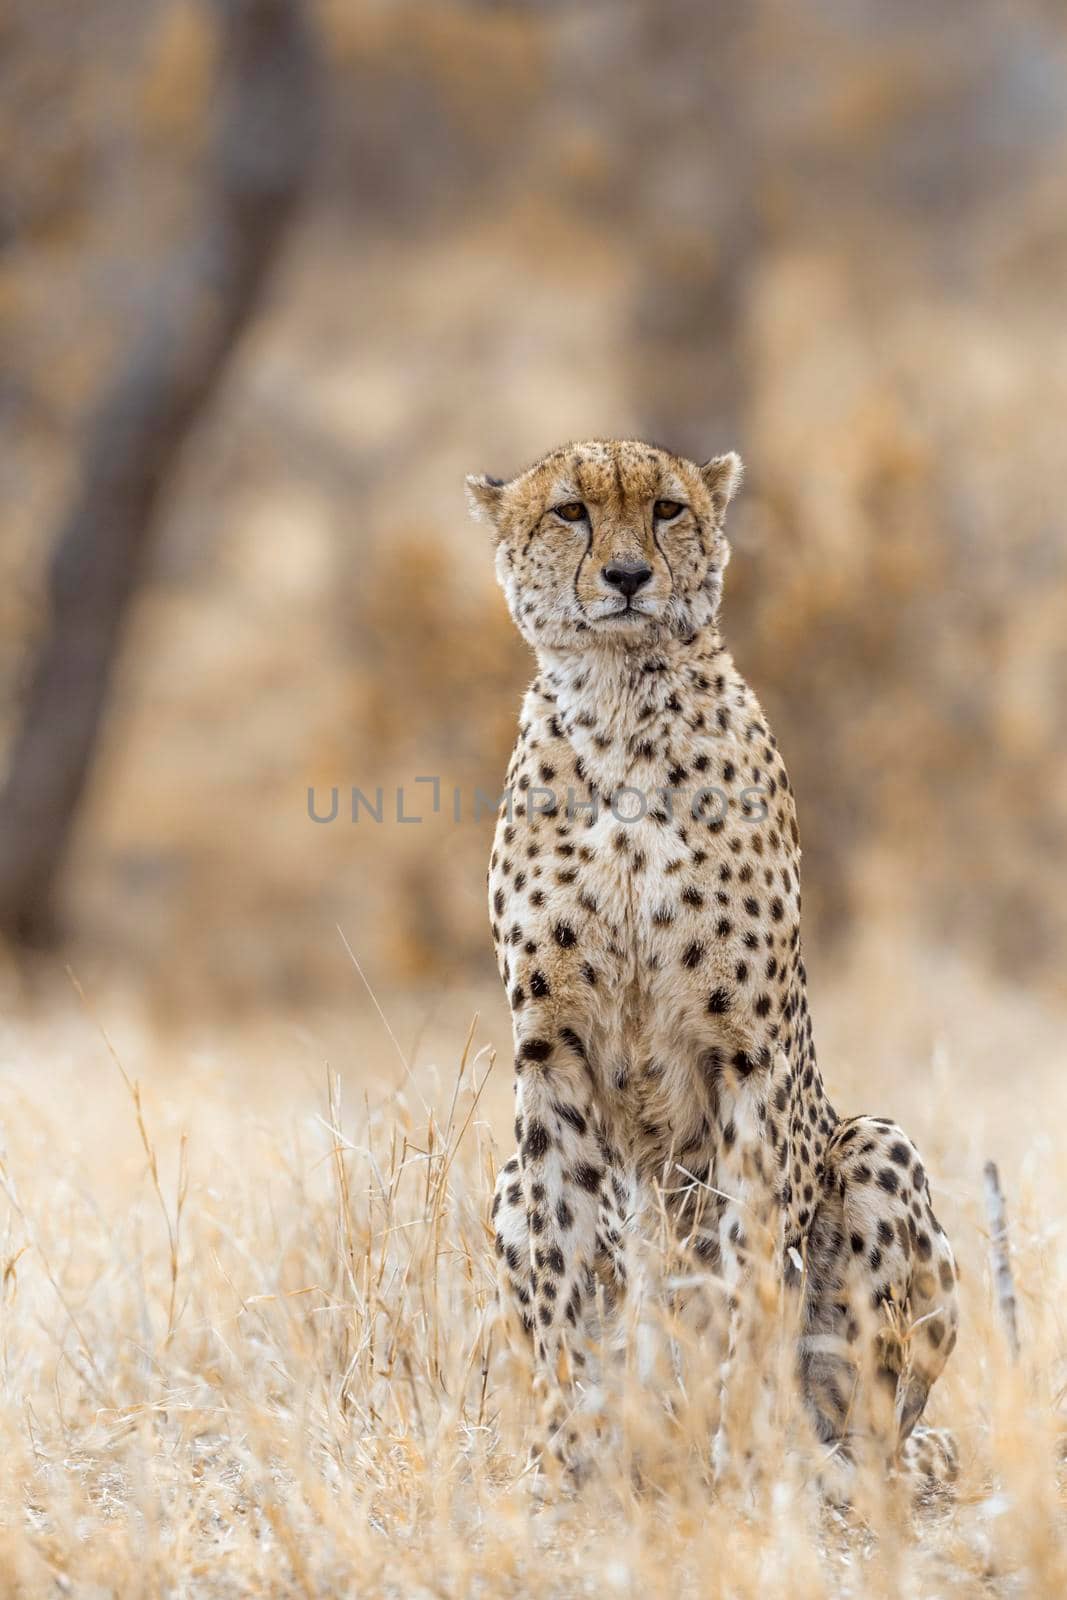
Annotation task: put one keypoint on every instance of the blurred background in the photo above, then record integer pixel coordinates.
(274, 276)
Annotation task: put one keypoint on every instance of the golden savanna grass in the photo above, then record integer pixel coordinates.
(248, 1343)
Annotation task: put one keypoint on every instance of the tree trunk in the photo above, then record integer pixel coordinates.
(262, 155)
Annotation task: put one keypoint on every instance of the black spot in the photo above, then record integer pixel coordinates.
(693, 956)
(565, 935)
(900, 1153)
(536, 1142)
(588, 1177)
(888, 1180)
(718, 1002)
(571, 1039)
(535, 1050)
(539, 987)
(572, 1115)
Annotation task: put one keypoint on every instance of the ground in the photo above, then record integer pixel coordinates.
(294, 1386)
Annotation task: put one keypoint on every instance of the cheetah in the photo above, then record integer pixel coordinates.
(644, 890)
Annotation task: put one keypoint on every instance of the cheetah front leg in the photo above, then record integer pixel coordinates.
(564, 1180)
(880, 1305)
(596, 1331)
(749, 1253)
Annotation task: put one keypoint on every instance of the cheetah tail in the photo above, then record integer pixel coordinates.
(931, 1334)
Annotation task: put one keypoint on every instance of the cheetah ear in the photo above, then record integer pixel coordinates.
(722, 478)
(485, 497)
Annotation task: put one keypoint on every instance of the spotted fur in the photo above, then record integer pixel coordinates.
(645, 900)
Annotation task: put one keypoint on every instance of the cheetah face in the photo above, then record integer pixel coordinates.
(609, 543)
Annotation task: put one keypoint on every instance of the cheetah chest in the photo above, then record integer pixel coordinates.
(601, 931)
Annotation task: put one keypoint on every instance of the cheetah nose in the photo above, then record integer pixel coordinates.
(626, 576)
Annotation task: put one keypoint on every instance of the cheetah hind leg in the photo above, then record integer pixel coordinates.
(880, 1310)
(594, 1329)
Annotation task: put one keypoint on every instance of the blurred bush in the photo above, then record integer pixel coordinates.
(833, 236)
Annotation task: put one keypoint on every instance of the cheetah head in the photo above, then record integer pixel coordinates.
(610, 542)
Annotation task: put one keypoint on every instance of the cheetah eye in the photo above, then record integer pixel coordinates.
(667, 510)
(570, 511)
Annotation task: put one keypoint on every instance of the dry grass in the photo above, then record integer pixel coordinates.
(248, 1346)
